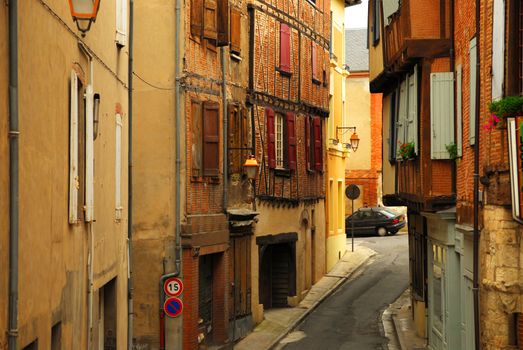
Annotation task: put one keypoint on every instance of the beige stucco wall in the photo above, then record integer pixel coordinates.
(274, 220)
(4, 177)
(154, 162)
(53, 254)
(388, 174)
(358, 104)
(375, 51)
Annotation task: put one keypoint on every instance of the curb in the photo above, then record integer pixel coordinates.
(399, 333)
(299, 320)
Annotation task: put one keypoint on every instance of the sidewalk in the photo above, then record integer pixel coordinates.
(279, 322)
(399, 327)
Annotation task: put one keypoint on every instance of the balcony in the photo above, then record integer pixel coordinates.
(419, 29)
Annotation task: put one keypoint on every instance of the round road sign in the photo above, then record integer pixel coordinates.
(173, 307)
(173, 286)
(352, 191)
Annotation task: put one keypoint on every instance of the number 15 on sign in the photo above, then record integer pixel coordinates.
(173, 286)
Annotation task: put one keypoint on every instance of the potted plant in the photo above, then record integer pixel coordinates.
(452, 148)
(501, 109)
(407, 150)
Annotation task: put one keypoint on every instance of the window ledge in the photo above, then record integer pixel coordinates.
(236, 57)
(284, 72)
(282, 172)
(316, 81)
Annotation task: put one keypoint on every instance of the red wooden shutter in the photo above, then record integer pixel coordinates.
(285, 48)
(223, 22)
(318, 159)
(196, 18)
(235, 30)
(291, 141)
(308, 142)
(271, 138)
(313, 59)
(209, 17)
(211, 139)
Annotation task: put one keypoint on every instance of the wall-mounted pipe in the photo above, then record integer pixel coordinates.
(14, 134)
(130, 309)
(475, 262)
(225, 132)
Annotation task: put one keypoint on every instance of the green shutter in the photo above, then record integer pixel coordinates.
(412, 110)
(441, 113)
(459, 117)
(401, 120)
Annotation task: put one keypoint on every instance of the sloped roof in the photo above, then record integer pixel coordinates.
(356, 51)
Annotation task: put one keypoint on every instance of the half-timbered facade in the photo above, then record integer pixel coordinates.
(288, 91)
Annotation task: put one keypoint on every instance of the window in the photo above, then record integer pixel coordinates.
(314, 65)
(118, 168)
(376, 22)
(285, 48)
(121, 22)
(210, 20)
(441, 114)
(77, 150)
(406, 113)
(392, 127)
(472, 91)
(238, 138)
(107, 313)
(498, 49)
(313, 143)
(210, 30)
(236, 30)
(205, 139)
(223, 22)
(514, 49)
(281, 136)
(341, 214)
(56, 336)
(438, 285)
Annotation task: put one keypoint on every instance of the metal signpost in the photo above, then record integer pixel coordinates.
(352, 192)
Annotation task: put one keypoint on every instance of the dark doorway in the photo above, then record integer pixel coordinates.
(277, 274)
(205, 297)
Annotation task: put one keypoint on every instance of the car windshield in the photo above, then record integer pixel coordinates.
(388, 212)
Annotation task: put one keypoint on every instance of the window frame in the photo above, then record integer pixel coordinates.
(376, 18)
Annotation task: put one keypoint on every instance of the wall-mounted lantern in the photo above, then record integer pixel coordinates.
(84, 13)
(354, 139)
(251, 167)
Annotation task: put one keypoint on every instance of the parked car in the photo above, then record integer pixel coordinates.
(372, 221)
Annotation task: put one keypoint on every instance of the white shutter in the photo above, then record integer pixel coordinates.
(459, 117)
(73, 151)
(498, 49)
(121, 22)
(412, 111)
(441, 113)
(401, 121)
(89, 154)
(118, 168)
(472, 91)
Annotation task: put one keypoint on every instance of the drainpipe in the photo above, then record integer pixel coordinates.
(225, 132)
(178, 163)
(130, 309)
(476, 186)
(14, 134)
(453, 69)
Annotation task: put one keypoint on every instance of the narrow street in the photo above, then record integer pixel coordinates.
(351, 317)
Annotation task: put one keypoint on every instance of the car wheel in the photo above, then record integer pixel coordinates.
(392, 233)
(382, 231)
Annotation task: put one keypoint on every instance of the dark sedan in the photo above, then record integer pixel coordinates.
(372, 221)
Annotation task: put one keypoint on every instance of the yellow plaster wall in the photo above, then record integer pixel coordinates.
(53, 254)
(358, 105)
(274, 220)
(375, 51)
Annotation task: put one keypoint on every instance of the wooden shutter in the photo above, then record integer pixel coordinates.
(210, 30)
(318, 159)
(271, 138)
(118, 168)
(240, 277)
(196, 133)
(73, 151)
(121, 22)
(402, 114)
(291, 141)
(211, 138)
(223, 22)
(459, 116)
(392, 127)
(234, 127)
(285, 47)
(441, 113)
(498, 49)
(314, 61)
(472, 91)
(196, 18)
(412, 110)
(236, 30)
(308, 142)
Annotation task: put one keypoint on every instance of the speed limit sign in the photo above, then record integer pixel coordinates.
(173, 286)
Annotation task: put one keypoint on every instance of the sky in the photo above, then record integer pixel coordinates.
(356, 16)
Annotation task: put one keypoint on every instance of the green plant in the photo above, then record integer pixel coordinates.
(452, 148)
(509, 106)
(407, 150)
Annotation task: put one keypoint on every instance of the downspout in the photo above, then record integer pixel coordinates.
(177, 133)
(225, 132)
(476, 186)
(130, 309)
(14, 134)
(453, 69)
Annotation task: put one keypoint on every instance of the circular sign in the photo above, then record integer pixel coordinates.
(173, 286)
(352, 191)
(173, 307)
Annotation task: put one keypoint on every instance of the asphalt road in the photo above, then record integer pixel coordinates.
(351, 317)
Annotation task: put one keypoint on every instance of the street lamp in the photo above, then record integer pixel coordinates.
(84, 13)
(251, 167)
(354, 139)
